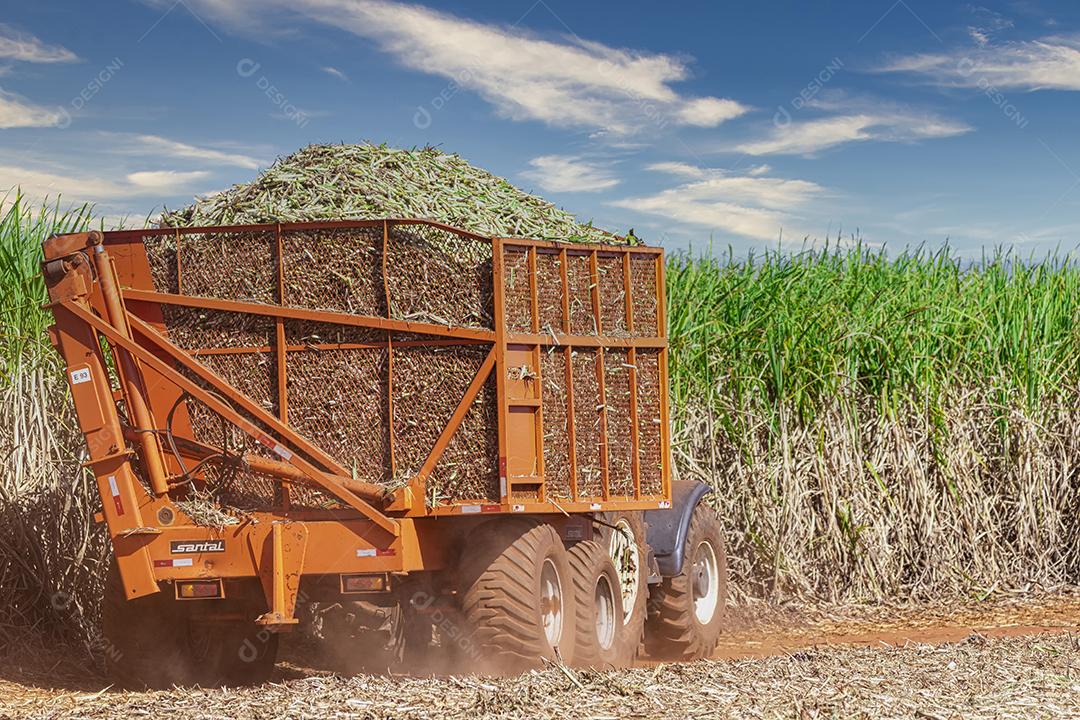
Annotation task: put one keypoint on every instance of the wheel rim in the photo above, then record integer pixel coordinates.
(627, 558)
(705, 585)
(551, 604)
(604, 600)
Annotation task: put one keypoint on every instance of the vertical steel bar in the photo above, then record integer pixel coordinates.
(594, 279)
(571, 428)
(568, 357)
(284, 492)
(179, 270)
(540, 467)
(565, 277)
(499, 312)
(594, 292)
(121, 493)
(534, 297)
(662, 331)
(134, 386)
(279, 327)
(389, 356)
(631, 359)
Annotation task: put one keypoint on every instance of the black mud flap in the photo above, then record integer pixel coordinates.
(667, 528)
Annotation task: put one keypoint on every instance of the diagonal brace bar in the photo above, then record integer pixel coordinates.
(207, 375)
(459, 415)
(279, 311)
(225, 410)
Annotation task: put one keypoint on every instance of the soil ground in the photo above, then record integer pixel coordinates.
(776, 632)
(1016, 658)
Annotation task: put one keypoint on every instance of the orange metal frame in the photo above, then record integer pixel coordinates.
(100, 289)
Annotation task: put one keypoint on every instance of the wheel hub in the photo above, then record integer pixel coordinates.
(705, 582)
(551, 603)
(627, 558)
(604, 601)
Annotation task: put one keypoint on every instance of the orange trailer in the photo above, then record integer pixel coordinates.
(403, 436)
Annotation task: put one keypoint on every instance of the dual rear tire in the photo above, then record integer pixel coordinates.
(624, 536)
(601, 636)
(526, 598)
(517, 597)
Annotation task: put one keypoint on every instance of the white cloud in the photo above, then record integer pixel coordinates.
(677, 168)
(686, 170)
(24, 47)
(340, 75)
(40, 184)
(752, 206)
(164, 181)
(77, 187)
(18, 112)
(566, 173)
(1048, 63)
(891, 125)
(709, 111)
(567, 82)
(164, 147)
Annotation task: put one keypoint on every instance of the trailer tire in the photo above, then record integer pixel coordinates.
(686, 611)
(629, 564)
(600, 640)
(157, 641)
(517, 596)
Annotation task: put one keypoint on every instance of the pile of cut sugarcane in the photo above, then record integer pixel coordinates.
(338, 182)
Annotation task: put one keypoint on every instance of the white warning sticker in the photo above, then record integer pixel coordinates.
(80, 376)
(365, 552)
(114, 490)
(285, 453)
(175, 562)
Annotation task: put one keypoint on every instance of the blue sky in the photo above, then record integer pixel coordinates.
(906, 121)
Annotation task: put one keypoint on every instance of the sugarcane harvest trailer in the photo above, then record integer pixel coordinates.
(405, 438)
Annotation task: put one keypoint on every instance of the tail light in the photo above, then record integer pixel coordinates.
(367, 583)
(199, 590)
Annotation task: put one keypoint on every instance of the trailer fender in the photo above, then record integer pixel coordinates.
(667, 528)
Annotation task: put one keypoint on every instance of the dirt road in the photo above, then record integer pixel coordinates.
(1006, 660)
(777, 632)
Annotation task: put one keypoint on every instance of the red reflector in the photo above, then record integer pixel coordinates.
(196, 589)
(363, 583)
